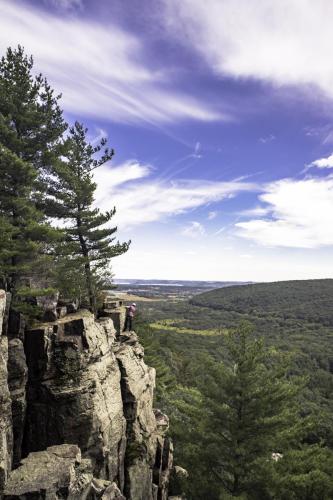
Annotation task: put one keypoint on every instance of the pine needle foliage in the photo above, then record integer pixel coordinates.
(90, 241)
(31, 121)
(252, 411)
(31, 128)
(24, 230)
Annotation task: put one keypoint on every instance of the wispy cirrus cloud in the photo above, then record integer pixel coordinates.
(101, 69)
(267, 139)
(194, 229)
(141, 199)
(300, 214)
(108, 178)
(65, 4)
(212, 215)
(285, 43)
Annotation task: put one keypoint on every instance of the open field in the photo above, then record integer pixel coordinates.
(174, 325)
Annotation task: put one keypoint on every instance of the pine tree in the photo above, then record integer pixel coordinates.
(24, 232)
(89, 244)
(251, 414)
(31, 128)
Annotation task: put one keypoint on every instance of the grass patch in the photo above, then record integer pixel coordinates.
(175, 325)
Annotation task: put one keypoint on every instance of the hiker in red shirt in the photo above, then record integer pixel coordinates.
(130, 312)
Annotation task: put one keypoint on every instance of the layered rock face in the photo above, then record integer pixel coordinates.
(6, 429)
(88, 387)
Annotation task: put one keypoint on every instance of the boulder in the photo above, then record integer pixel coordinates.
(56, 473)
(180, 472)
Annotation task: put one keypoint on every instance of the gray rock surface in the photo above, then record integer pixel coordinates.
(145, 476)
(92, 389)
(117, 314)
(48, 304)
(74, 393)
(17, 379)
(56, 473)
(6, 432)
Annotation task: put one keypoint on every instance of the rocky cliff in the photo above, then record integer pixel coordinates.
(77, 418)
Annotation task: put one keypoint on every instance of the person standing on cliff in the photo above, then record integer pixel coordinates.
(130, 312)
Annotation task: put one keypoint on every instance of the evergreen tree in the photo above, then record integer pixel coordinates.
(31, 121)
(89, 244)
(31, 127)
(252, 414)
(24, 231)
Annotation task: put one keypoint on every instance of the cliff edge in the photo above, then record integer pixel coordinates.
(77, 418)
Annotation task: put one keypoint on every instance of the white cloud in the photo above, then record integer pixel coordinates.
(197, 150)
(101, 70)
(141, 199)
(323, 162)
(194, 230)
(255, 212)
(108, 177)
(282, 42)
(100, 134)
(221, 230)
(212, 215)
(302, 215)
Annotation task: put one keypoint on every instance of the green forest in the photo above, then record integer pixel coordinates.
(266, 349)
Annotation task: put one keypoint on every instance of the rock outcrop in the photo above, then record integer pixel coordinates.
(148, 451)
(80, 387)
(6, 429)
(17, 379)
(58, 472)
(74, 391)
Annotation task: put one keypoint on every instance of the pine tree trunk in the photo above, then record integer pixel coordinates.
(87, 269)
(92, 300)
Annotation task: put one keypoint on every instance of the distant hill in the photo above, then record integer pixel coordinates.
(183, 283)
(310, 300)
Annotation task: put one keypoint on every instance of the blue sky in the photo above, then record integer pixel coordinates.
(220, 113)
